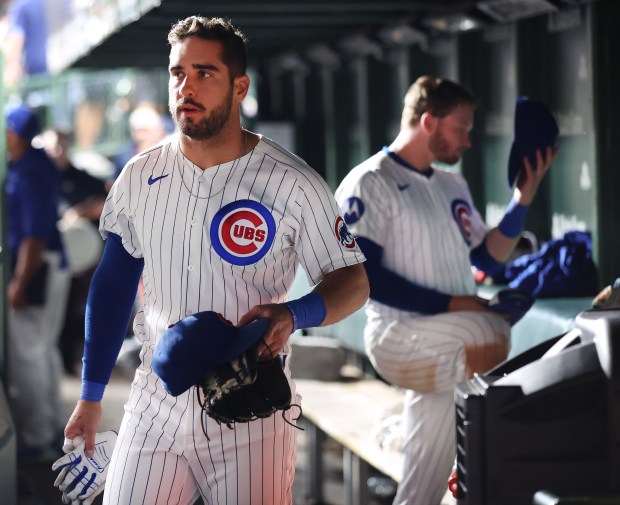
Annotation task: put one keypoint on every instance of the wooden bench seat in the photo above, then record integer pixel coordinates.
(348, 412)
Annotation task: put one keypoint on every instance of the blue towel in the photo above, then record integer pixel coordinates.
(562, 267)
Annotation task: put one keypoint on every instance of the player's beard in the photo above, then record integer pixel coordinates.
(441, 149)
(207, 127)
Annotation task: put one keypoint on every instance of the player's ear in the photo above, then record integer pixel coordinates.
(241, 85)
(428, 122)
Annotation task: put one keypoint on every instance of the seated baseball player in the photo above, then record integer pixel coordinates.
(420, 232)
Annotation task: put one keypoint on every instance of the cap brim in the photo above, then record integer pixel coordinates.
(515, 164)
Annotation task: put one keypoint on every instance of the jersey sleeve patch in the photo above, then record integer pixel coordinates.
(343, 234)
(462, 214)
(352, 209)
(242, 232)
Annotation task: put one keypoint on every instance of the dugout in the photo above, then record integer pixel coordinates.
(329, 77)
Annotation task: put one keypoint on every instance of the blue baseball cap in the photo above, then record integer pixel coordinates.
(535, 128)
(23, 121)
(512, 302)
(192, 348)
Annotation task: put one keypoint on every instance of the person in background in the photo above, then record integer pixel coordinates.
(81, 196)
(420, 232)
(25, 42)
(147, 127)
(37, 290)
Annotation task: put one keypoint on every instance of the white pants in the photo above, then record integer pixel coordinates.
(35, 366)
(162, 456)
(428, 356)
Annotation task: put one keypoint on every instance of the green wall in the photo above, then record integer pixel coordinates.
(564, 59)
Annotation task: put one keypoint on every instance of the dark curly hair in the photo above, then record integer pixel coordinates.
(234, 53)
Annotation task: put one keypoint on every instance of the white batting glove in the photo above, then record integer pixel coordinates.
(68, 446)
(82, 478)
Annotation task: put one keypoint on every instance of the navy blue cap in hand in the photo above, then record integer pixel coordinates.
(512, 302)
(535, 128)
(192, 348)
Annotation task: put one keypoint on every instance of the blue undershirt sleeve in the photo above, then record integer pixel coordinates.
(512, 223)
(391, 289)
(108, 309)
(482, 259)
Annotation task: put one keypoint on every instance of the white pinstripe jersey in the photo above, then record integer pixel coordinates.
(226, 238)
(425, 225)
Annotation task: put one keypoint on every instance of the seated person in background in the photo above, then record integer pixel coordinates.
(81, 196)
(420, 232)
(80, 193)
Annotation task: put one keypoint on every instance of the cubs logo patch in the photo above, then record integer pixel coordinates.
(343, 234)
(461, 212)
(242, 232)
(352, 210)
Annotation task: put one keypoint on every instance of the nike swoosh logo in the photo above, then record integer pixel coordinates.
(153, 180)
(403, 187)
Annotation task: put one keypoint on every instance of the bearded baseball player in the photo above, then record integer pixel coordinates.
(214, 218)
(420, 232)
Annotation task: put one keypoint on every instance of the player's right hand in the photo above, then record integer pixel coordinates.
(467, 302)
(279, 330)
(84, 422)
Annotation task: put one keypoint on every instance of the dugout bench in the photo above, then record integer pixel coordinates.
(348, 410)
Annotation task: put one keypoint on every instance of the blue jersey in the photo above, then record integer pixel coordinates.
(32, 201)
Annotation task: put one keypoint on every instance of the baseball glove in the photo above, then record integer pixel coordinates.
(244, 389)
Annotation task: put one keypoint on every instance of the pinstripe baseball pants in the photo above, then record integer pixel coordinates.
(428, 355)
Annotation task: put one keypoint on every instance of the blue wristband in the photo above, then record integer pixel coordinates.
(511, 224)
(308, 311)
(92, 391)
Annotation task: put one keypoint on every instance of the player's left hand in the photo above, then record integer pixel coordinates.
(530, 178)
(68, 446)
(17, 295)
(81, 477)
(279, 330)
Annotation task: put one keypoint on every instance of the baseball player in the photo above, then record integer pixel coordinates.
(214, 218)
(420, 232)
(37, 290)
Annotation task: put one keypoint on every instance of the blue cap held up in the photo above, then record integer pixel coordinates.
(535, 128)
(192, 348)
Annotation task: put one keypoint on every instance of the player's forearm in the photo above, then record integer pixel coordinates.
(393, 290)
(344, 291)
(108, 310)
(500, 246)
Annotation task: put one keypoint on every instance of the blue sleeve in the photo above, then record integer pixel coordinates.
(108, 309)
(39, 214)
(391, 289)
(482, 259)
